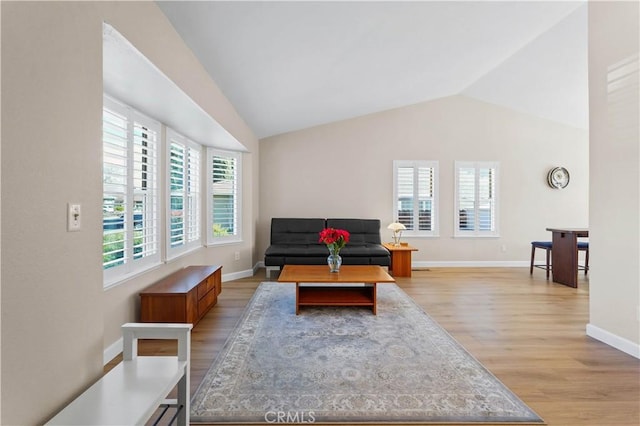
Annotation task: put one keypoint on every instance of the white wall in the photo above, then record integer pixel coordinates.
(56, 317)
(344, 169)
(614, 34)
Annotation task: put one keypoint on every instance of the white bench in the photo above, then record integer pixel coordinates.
(132, 391)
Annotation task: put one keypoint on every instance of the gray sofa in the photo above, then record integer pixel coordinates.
(294, 241)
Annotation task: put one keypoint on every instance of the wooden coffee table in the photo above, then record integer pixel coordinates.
(354, 285)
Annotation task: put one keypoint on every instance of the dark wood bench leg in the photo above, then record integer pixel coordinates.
(533, 255)
(586, 261)
(548, 262)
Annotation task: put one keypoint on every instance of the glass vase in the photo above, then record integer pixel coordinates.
(334, 260)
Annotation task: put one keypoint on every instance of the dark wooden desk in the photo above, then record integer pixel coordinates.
(564, 255)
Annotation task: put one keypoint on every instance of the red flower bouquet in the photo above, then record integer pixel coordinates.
(335, 239)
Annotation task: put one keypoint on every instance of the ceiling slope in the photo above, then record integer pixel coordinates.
(547, 77)
(291, 65)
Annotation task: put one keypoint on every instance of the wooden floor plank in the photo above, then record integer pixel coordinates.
(529, 332)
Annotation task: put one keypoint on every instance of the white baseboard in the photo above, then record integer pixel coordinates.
(472, 264)
(620, 343)
(112, 351)
(237, 275)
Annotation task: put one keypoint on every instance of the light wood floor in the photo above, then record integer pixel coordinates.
(529, 332)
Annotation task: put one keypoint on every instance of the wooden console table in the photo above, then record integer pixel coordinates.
(400, 259)
(324, 288)
(564, 255)
(185, 296)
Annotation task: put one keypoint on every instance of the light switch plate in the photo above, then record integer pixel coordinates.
(73, 217)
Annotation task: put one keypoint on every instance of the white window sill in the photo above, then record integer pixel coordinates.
(477, 236)
(224, 243)
(121, 279)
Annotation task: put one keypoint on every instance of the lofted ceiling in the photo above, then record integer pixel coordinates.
(291, 65)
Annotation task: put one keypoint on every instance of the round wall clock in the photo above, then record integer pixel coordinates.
(558, 177)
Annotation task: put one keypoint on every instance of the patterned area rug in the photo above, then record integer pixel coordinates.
(345, 365)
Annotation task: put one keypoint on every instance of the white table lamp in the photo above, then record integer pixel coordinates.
(397, 229)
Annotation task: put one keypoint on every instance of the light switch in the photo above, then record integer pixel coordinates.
(73, 217)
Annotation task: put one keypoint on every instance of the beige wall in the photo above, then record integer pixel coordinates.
(0, 226)
(344, 169)
(56, 318)
(615, 182)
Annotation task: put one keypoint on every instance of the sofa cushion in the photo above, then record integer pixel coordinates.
(355, 260)
(363, 250)
(299, 250)
(296, 230)
(361, 230)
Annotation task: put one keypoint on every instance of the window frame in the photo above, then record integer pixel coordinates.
(131, 265)
(191, 211)
(237, 235)
(416, 165)
(477, 166)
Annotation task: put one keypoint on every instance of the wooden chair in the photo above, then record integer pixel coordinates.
(548, 246)
(545, 245)
(584, 246)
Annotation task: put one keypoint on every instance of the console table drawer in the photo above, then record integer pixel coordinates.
(205, 287)
(207, 303)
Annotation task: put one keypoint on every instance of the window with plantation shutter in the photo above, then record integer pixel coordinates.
(415, 196)
(224, 172)
(184, 193)
(476, 199)
(130, 191)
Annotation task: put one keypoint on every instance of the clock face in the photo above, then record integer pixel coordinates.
(558, 177)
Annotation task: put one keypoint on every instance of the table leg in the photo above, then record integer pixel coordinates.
(297, 298)
(564, 258)
(375, 299)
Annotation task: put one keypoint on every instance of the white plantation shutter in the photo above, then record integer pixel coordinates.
(184, 189)
(130, 191)
(145, 188)
(476, 198)
(224, 196)
(114, 169)
(486, 199)
(177, 189)
(425, 191)
(415, 196)
(404, 198)
(466, 198)
(193, 196)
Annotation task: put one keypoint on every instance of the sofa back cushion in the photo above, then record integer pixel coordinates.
(363, 231)
(296, 230)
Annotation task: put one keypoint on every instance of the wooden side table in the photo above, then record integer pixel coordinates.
(400, 259)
